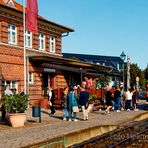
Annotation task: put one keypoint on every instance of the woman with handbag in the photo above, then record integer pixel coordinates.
(72, 104)
(65, 102)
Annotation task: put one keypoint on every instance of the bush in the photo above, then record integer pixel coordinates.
(92, 98)
(16, 103)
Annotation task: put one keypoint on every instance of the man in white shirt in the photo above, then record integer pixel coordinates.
(8, 91)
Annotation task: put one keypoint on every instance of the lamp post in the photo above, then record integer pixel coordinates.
(122, 56)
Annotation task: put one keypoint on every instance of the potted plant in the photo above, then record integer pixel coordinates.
(16, 107)
(91, 100)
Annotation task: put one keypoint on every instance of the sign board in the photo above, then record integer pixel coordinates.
(49, 70)
(137, 79)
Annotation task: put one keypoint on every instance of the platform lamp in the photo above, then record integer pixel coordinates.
(123, 56)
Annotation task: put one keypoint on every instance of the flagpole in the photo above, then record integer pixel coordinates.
(24, 24)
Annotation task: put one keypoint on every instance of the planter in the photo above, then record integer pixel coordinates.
(17, 119)
(90, 107)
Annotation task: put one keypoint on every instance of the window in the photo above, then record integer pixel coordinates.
(41, 41)
(12, 84)
(103, 64)
(97, 63)
(52, 44)
(30, 78)
(28, 39)
(119, 66)
(12, 34)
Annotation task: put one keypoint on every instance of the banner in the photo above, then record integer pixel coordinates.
(32, 16)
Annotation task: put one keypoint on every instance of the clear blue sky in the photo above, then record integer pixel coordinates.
(102, 27)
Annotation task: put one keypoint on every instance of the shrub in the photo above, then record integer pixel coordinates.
(16, 103)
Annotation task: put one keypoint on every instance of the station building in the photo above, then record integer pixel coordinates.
(46, 66)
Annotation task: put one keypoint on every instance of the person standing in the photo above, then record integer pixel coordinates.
(84, 102)
(8, 91)
(108, 97)
(51, 98)
(65, 102)
(117, 97)
(146, 96)
(128, 98)
(72, 101)
(135, 99)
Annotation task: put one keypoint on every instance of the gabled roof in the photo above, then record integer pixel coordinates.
(110, 61)
(92, 57)
(18, 7)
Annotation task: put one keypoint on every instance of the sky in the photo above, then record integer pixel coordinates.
(102, 27)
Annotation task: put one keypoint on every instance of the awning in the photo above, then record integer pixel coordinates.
(67, 64)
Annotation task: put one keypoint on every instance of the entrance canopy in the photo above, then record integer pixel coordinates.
(58, 62)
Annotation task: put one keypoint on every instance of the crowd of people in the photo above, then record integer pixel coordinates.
(117, 99)
(70, 103)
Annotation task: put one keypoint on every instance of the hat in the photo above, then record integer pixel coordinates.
(75, 87)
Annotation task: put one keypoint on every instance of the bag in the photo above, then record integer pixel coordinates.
(50, 104)
(75, 109)
(86, 106)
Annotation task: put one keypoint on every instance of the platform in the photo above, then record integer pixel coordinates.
(53, 131)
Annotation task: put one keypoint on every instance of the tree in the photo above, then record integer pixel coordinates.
(135, 71)
(146, 73)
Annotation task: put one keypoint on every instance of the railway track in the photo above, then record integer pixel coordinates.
(133, 135)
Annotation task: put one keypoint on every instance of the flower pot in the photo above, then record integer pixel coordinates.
(17, 119)
(90, 108)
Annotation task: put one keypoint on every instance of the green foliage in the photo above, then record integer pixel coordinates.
(92, 98)
(15, 103)
(135, 71)
(74, 58)
(146, 73)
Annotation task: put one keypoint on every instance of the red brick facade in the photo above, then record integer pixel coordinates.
(12, 56)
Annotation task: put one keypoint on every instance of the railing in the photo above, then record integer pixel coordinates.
(43, 102)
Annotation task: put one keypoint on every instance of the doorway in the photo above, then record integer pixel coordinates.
(46, 83)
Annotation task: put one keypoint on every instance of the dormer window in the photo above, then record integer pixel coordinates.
(28, 39)
(12, 34)
(52, 44)
(119, 66)
(97, 63)
(10, 3)
(41, 41)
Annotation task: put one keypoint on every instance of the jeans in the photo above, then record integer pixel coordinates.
(113, 104)
(52, 109)
(70, 113)
(65, 112)
(119, 103)
(128, 104)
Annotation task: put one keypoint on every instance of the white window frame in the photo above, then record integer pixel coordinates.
(28, 39)
(97, 63)
(52, 44)
(118, 67)
(10, 83)
(41, 41)
(11, 31)
(30, 77)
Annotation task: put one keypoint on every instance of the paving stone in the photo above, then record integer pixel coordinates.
(53, 126)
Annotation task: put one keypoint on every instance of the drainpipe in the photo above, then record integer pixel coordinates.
(81, 75)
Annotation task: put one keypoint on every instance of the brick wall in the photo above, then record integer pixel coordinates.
(12, 57)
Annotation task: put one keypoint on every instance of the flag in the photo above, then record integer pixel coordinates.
(32, 16)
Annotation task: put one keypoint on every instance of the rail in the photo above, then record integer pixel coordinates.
(118, 137)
